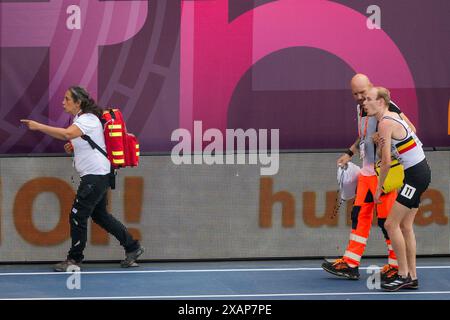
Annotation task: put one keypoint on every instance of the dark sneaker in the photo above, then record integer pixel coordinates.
(388, 273)
(67, 265)
(340, 268)
(131, 257)
(397, 284)
(414, 285)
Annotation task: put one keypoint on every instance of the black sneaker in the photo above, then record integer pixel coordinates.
(131, 257)
(340, 268)
(397, 284)
(67, 265)
(414, 285)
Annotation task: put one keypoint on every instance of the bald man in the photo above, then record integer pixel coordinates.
(364, 205)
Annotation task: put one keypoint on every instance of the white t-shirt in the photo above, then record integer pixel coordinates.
(88, 160)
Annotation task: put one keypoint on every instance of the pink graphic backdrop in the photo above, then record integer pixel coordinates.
(232, 64)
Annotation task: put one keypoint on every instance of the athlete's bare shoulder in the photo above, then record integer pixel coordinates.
(388, 118)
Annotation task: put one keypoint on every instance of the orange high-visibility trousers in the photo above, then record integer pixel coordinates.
(362, 215)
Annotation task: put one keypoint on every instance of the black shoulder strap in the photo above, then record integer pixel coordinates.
(94, 145)
(113, 115)
(113, 172)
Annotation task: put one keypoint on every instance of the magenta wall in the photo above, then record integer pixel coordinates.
(232, 64)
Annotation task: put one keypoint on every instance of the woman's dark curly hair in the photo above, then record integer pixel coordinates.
(87, 104)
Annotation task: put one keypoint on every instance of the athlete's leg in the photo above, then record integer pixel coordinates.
(392, 225)
(410, 241)
(383, 209)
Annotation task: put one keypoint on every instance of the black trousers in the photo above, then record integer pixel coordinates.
(91, 202)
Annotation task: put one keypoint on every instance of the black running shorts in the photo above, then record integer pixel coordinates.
(417, 180)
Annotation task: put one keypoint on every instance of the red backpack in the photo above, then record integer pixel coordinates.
(122, 148)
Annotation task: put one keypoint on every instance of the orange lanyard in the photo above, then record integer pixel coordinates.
(365, 125)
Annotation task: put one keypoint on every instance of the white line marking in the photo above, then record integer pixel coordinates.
(241, 295)
(160, 271)
(185, 271)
